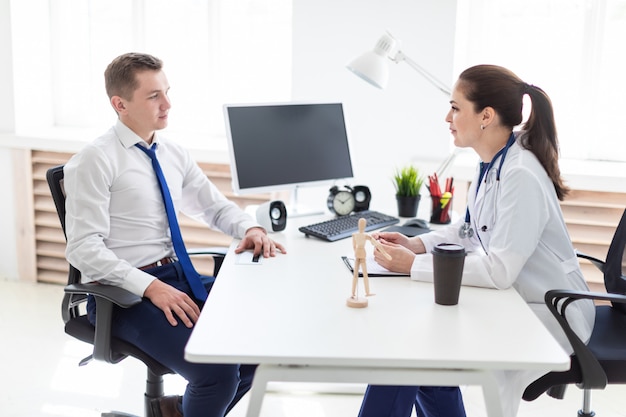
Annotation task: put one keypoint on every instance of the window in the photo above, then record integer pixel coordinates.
(573, 49)
(214, 52)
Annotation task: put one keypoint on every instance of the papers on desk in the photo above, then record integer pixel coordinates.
(248, 258)
(374, 269)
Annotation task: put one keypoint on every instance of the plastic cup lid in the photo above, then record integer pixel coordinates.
(449, 249)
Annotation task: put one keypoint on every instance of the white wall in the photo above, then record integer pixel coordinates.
(392, 127)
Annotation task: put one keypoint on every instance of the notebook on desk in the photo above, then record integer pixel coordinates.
(374, 269)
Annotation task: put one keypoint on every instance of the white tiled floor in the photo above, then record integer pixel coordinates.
(40, 376)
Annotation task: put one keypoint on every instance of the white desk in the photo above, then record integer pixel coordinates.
(289, 315)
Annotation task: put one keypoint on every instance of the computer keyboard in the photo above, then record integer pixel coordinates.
(344, 226)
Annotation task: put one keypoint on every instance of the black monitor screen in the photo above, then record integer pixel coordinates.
(275, 147)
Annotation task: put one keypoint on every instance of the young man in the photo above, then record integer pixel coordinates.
(118, 233)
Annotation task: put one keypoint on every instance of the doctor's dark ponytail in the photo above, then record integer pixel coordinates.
(541, 138)
(499, 88)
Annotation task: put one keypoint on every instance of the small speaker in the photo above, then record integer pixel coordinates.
(272, 216)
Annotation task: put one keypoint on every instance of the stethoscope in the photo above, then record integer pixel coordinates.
(466, 230)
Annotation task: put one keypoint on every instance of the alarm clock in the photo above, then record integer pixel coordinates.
(362, 197)
(340, 202)
(344, 201)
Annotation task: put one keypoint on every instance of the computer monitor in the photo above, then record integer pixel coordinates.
(283, 146)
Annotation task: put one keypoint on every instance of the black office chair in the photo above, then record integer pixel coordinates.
(602, 360)
(105, 346)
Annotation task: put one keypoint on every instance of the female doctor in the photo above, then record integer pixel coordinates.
(513, 226)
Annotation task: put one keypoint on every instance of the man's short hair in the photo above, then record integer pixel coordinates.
(119, 77)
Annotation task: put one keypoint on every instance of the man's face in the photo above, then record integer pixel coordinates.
(148, 109)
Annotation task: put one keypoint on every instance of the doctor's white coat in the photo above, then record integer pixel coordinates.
(520, 240)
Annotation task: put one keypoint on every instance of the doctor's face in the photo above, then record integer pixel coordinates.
(463, 119)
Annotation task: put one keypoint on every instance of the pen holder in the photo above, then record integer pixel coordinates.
(440, 209)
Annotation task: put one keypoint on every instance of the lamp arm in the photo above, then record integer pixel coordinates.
(446, 163)
(400, 56)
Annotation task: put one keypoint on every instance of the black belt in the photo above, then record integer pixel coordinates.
(160, 262)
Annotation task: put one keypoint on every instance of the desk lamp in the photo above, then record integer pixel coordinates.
(373, 67)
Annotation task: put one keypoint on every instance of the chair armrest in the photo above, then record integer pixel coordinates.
(595, 261)
(216, 250)
(117, 295)
(218, 253)
(106, 296)
(588, 295)
(593, 376)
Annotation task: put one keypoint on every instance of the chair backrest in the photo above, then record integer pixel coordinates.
(614, 278)
(54, 176)
(70, 304)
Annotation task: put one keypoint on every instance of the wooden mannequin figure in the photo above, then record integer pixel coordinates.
(358, 244)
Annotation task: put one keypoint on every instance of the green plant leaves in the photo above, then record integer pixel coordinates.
(408, 181)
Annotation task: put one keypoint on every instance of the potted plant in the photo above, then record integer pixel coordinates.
(408, 182)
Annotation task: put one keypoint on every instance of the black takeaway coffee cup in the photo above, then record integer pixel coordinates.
(448, 261)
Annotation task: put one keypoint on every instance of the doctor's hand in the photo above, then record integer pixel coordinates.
(415, 244)
(256, 239)
(391, 237)
(401, 257)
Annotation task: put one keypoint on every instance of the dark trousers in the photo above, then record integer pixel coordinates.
(212, 389)
(398, 401)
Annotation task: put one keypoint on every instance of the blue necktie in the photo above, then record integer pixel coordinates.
(198, 289)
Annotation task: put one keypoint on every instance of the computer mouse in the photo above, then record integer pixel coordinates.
(419, 223)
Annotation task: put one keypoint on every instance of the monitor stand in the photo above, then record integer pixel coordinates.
(295, 209)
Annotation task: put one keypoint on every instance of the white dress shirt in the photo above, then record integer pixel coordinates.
(116, 219)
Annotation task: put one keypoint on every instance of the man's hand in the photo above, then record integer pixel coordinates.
(256, 239)
(173, 302)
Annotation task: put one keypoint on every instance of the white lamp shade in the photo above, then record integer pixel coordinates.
(371, 67)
